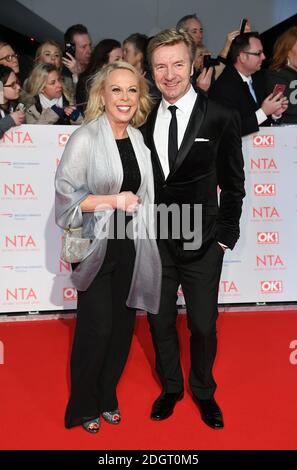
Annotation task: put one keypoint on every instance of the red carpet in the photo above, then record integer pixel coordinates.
(256, 389)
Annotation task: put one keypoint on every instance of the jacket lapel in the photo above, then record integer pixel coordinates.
(150, 125)
(191, 133)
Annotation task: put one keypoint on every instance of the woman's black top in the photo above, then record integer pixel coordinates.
(131, 172)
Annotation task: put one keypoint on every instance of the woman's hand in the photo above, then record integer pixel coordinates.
(18, 117)
(127, 201)
(69, 110)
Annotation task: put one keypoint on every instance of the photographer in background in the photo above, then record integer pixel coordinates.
(78, 49)
(241, 85)
(10, 115)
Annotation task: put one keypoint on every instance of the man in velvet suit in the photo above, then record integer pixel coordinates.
(242, 86)
(207, 153)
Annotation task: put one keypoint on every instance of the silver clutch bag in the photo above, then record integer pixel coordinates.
(74, 247)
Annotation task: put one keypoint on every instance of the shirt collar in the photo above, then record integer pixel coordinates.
(245, 78)
(184, 104)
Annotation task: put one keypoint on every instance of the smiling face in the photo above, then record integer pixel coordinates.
(120, 96)
(172, 69)
(53, 86)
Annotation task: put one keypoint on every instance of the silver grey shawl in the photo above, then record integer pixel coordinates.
(91, 164)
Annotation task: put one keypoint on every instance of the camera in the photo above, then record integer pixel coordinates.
(209, 61)
(70, 48)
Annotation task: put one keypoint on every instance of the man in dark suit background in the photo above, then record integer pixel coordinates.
(242, 86)
(195, 146)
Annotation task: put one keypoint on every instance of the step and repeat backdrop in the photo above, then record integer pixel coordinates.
(261, 268)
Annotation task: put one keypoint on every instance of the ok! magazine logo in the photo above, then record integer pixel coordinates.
(271, 287)
(264, 189)
(263, 141)
(63, 139)
(267, 238)
(69, 293)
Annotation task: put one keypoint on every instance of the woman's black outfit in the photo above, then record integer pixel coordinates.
(104, 325)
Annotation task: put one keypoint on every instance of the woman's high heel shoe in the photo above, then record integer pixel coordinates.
(112, 417)
(92, 425)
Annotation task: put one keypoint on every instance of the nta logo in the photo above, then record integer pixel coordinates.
(20, 294)
(265, 212)
(19, 241)
(269, 261)
(18, 189)
(17, 137)
(263, 163)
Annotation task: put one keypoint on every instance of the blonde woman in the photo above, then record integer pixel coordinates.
(49, 52)
(105, 181)
(47, 100)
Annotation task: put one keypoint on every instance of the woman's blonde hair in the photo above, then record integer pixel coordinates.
(38, 78)
(282, 47)
(95, 107)
(40, 50)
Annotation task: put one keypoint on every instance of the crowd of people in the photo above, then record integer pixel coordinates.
(59, 95)
(192, 118)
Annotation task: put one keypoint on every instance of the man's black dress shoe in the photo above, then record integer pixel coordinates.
(164, 405)
(210, 412)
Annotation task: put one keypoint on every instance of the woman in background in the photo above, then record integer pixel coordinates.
(10, 116)
(8, 57)
(283, 70)
(106, 52)
(47, 100)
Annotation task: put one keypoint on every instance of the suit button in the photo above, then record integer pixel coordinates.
(164, 185)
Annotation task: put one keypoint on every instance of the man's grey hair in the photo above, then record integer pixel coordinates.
(182, 22)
